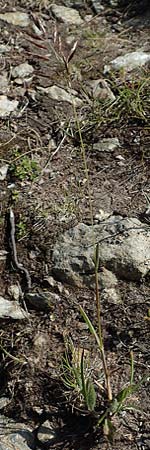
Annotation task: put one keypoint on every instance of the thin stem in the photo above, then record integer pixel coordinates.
(101, 345)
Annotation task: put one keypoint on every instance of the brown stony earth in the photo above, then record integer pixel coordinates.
(46, 185)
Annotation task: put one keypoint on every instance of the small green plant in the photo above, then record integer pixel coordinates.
(21, 229)
(24, 167)
(14, 195)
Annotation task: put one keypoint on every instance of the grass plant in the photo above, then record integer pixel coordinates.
(75, 375)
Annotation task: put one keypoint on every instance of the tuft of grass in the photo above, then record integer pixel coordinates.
(76, 376)
(131, 105)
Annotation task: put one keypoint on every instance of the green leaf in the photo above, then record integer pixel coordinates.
(124, 393)
(132, 368)
(84, 392)
(109, 429)
(89, 324)
(91, 396)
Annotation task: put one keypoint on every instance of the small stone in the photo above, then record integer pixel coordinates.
(4, 401)
(16, 18)
(120, 158)
(66, 15)
(3, 254)
(14, 292)
(46, 432)
(60, 95)
(4, 82)
(4, 48)
(101, 215)
(42, 300)
(110, 295)
(102, 90)
(128, 62)
(7, 106)
(49, 281)
(3, 172)
(22, 70)
(97, 6)
(107, 145)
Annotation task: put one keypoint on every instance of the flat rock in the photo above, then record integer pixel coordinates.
(107, 145)
(7, 106)
(11, 309)
(60, 95)
(15, 435)
(22, 70)
(16, 18)
(128, 62)
(66, 15)
(124, 249)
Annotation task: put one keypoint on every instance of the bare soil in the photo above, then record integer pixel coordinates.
(57, 199)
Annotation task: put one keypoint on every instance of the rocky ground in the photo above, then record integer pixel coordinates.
(74, 172)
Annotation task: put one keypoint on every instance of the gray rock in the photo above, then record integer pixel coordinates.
(11, 309)
(22, 70)
(124, 249)
(7, 106)
(16, 18)
(66, 15)
(15, 435)
(107, 145)
(60, 95)
(129, 61)
(3, 172)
